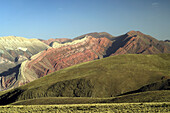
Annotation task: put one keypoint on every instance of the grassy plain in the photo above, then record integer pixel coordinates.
(78, 108)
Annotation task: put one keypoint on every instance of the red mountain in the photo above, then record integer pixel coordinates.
(54, 59)
(135, 42)
(60, 40)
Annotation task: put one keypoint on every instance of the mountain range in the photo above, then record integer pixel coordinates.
(24, 60)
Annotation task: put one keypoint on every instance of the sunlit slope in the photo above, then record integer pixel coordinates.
(61, 100)
(14, 48)
(106, 77)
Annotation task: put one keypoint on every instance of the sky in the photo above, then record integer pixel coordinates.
(46, 19)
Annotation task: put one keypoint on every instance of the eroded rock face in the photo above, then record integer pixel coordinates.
(13, 51)
(54, 59)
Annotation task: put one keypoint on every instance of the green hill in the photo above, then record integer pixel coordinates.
(102, 78)
(149, 96)
(61, 100)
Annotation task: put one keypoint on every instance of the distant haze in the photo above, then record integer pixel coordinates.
(46, 19)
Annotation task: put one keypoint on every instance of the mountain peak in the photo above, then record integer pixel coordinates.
(96, 35)
(132, 33)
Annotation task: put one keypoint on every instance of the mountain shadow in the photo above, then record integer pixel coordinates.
(161, 85)
(11, 71)
(118, 43)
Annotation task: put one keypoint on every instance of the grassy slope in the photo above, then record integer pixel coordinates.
(101, 78)
(61, 100)
(149, 96)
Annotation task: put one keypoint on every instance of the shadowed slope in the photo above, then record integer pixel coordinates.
(8, 81)
(161, 85)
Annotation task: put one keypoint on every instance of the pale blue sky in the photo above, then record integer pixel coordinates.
(46, 19)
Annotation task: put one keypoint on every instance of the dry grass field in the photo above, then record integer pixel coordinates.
(163, 107)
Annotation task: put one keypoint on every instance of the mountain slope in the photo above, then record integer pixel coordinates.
(13, 51)
(135, 42)
(148, 96)
(97, 35)
(13, 48)
(63, 56)
(106, 77)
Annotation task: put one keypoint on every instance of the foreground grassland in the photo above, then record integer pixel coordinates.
(114, 107)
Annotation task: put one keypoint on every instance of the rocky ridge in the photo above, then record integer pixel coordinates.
(59, 40)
